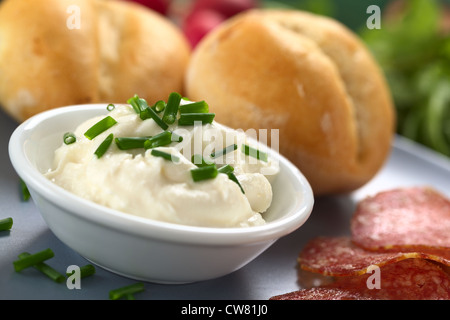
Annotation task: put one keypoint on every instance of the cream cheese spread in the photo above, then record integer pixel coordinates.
(136, 182)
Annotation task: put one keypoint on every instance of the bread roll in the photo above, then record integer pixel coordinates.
(118, 49)
(308, 76)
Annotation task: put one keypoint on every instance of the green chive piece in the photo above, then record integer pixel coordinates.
(141, 106)
(126, 291)
(150, 113)
(100, 127)
(126, 143)
(133, 101)
(45, 269)
(157, 119)
(229, 171)
(159, 106)
(226, 169)
(255, 153)
(145, 112)
(25, 193)
(6, 224)
(233, 178)
(110, 107)
(189, 119)
(165, 155)
(195, 107)
(103, 147)
(144, 108)
(204, 173)
(69, 138)
(160, 140)
(32, 259)
(199, 161)
(224, 151)
(85, 271)
(171, 110)
(176, 137)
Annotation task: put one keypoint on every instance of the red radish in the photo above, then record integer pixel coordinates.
(199, 23)
(161, 6)
(226, 7)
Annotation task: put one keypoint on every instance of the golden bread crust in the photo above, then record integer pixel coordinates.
(307, 76)
(120, 49)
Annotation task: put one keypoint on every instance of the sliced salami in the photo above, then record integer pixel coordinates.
(405, 219)
(322, 293)
(409, 279)
(338, 256)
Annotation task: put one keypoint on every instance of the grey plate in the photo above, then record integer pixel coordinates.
(273, 273)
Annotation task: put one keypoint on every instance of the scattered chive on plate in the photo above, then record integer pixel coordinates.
(126, 291)
(6, 224)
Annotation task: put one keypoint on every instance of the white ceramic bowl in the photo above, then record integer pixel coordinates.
(137, 247)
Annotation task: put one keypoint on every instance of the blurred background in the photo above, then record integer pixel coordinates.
(412, 46)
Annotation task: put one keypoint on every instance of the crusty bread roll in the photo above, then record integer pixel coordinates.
(120, 49)
(308, 76)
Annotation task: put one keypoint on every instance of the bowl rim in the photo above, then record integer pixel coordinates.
(141, 226)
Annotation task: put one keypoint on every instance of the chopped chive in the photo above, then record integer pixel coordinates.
(165, 155)
(85, 271)
(45, 269)
(229, 171)
(103, 147)
(199, 161)
(204, 173)
(160, 140)
(32, 259)
(145, 112)
(126, 143)
(141, 106)
(6, 224)
(133, 101)
(255, 153)
(171, 111)
(233, 178)
(126, 291)
(110, 107)
(189, 119)
(159, 106)
(224, 151)
(100, 127)
(226, 169)
(69, 138)
(195, 107)
(24, 192)
(150, 113)
(176, 137)
(144, 109)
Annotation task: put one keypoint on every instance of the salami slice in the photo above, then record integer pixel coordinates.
(405, 219)
(338, 256)
(322, 293)
(409, 279)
